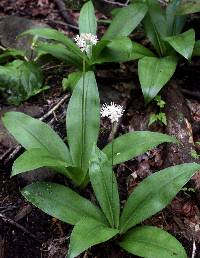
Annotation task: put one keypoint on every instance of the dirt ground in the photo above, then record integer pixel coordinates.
(25, 231)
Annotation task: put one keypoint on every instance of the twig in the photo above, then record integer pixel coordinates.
(64, 12)
(13, 154)
(17, 225)
(75, 27)
(116, 3)
(50, 112)
(194, 94)
(193, 249)
(2, 242)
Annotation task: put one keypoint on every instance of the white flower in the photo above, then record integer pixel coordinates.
(85, 41)
(112, 111)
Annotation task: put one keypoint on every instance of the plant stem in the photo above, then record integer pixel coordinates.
(112, 152)
(83, 115)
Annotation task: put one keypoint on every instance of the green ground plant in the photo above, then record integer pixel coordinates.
(82, 161)
(45, 148)
(20, 78)
(163, 27)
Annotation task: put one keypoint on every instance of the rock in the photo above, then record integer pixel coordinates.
(101, 6)
(40, 174)
(12, 26)
(74, 4)
(6, 140)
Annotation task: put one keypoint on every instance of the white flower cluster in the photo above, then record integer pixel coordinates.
(85, 41)
(112, 111)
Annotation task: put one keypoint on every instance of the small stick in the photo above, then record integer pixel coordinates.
(193, 250)
(17, 225)
(51, 111)
(193, 94)
(64, 12)
(115, 3)
(63, 24)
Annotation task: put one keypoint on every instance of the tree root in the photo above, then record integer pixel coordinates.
(179, 124)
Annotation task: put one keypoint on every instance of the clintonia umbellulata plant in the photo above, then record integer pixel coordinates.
(107, 49)
(20, 78)
(82, 161)
(44, 148)
(97, 224)
(163, 27)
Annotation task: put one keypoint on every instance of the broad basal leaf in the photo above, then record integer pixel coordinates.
(133, 144)
(38, 158)
(47, 33)
(20, 80)
(98, 48)
(139, 51)
(105, 186)
(155, 26)
(87, 19)
(152, 242)
(188, 7)
(154, 193)
(86, 233)
(175, 23)
(32, 133)
(83, 120)
(16, 53)
(71, 81)
(61, 52)
(154, 73)
(114, 52)
(196, 51)
(183, 43)
(126, 20)
(61, 202)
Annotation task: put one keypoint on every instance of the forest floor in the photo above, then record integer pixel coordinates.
(27, 232)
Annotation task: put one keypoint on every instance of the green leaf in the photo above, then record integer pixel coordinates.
(139, 51)
(61, 202)
(155, 26)
(86, 233)
(152, 242)
(154, 193)
(15, 53)
(61, 52)
(196, 51)
(126, 20)
(152, 119)
(175, 23)
(38, 158)
(183, 43)
(83, 120)
(87, 19)
(188, 7)
(114, 52)
(105, 186)
(21, 80)
(98, 48)
(47, 33)
(32, 133)
(133, 144)
(71, 81)
(154, 73)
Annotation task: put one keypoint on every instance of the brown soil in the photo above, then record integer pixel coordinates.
(26, 232)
